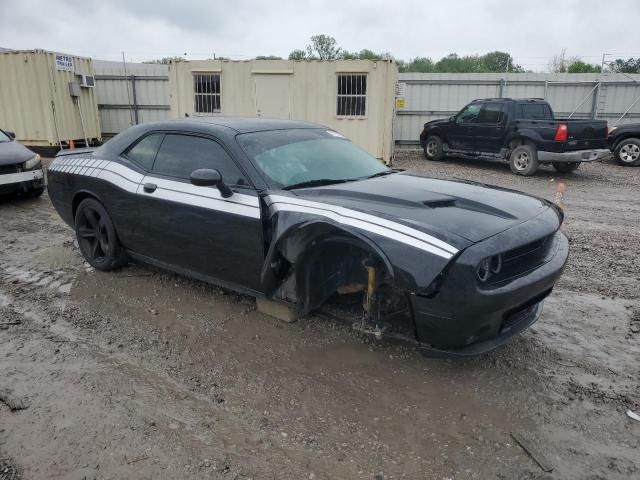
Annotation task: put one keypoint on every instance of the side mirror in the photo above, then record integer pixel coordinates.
(11, 134)
(452, 119)
(208, 177)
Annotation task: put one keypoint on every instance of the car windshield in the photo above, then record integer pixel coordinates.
(4, 137)
(309, 156)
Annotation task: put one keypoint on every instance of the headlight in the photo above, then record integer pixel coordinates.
(489, 266)
(32, 163)
(484, 270)
(611, 130)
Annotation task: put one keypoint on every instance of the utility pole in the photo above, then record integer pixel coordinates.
(602, 65)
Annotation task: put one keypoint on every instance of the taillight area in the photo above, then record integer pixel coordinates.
(562, 133)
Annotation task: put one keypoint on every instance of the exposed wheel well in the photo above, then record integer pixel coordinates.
(331, 263)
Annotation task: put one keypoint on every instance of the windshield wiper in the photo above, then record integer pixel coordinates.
(318, 183)
(382, 173)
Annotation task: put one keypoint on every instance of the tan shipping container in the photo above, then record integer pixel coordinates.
(36, 101)
(330, 93)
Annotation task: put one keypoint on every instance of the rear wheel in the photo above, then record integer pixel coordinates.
(628, 152)
(97, 236)
(433, 148)
(524, 160)
(566, 167)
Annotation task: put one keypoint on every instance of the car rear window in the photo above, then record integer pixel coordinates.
(534, 111)
(144, 152)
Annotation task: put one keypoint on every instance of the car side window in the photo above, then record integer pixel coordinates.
(491, 113)
(180, 155)
(144, 152)
(469, 114)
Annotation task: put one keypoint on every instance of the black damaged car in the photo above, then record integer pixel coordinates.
(296, 213)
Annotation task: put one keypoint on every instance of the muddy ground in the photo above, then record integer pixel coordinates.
(145, 374)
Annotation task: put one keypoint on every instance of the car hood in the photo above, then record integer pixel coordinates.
(458, 212)
(436, 122)
(14, 152)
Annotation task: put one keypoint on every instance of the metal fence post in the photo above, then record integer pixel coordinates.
(135, 99)
(594, 104)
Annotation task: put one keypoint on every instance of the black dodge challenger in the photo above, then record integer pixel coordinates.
(296, 213)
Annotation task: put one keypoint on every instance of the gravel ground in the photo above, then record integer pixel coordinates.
(144, 374)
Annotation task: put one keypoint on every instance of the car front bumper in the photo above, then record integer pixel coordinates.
(467, 318)
(21, 181)
(577, 156)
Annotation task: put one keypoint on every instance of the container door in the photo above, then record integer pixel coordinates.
(272, 95)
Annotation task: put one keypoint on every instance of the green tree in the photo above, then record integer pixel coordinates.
(166, 60)
(364, 54)
(418, 64)
(578, 66)
(452, 63)
(323, 47)
(298, 55)
(631, 65)
(497, 62)
(268, 57)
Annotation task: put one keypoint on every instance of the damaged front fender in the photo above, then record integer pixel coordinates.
(311, 255)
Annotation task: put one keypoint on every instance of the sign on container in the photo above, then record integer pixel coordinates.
(64, 62)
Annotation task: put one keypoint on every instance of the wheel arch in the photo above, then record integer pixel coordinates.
(623, 137)
(81, 195)
(309, 261)
(522, 137)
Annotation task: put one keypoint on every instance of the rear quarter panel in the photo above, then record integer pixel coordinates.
(67, 186)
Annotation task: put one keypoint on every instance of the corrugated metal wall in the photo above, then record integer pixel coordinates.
(32, 87)
(130, 94)
(430, 96)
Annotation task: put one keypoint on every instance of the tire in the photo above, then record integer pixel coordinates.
(97, 236)
(524, 160)
(433, 149)
(628, 152)
(566, 167)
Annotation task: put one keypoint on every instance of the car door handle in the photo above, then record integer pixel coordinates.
(150, 187)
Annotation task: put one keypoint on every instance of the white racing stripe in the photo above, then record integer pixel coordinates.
(352, 215)
(201, 200)
(171, 190)
(212, 193)
(367, 227)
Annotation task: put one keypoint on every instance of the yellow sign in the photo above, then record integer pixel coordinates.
(399, 103)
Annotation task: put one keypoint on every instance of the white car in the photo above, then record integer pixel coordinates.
(20, 169)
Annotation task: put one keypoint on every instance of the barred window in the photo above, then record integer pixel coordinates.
(206, 88)
(352, 94)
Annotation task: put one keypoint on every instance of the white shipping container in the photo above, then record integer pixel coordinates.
(353, 97)
(36, 100)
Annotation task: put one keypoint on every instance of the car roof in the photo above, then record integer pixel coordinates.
(239, 124)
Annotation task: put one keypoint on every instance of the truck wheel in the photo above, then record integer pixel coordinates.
(433, 149)
(97, 238)
(628, 152)
(566, 167)
(524, 160)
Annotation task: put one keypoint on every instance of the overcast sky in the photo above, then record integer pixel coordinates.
(532, 31)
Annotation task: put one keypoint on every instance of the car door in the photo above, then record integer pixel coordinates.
(490, 128)
(460, 131)
(194, 228)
